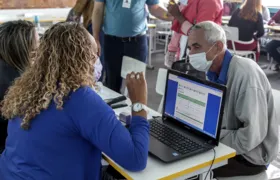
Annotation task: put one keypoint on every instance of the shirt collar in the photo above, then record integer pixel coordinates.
(222, 77)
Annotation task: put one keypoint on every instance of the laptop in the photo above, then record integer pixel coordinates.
(191, 119)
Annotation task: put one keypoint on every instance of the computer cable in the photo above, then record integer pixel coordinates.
(211, 164)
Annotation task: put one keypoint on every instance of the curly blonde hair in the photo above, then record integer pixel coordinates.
(63, 62)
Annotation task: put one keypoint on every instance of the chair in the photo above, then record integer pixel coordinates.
(270, 59)
(160, 86)
(232, 34)
(131, 65)
(163, 30)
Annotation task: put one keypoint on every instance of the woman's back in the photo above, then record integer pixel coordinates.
(247, 28)
(7, 76)
(66, 144)
(17, 39)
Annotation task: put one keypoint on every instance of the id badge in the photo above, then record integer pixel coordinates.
(126, 4)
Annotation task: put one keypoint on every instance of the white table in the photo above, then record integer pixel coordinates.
(179, 170)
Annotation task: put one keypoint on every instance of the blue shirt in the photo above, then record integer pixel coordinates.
(222, 77)
(67, 144)
(125, 22)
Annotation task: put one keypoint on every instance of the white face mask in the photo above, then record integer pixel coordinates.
(200, 62)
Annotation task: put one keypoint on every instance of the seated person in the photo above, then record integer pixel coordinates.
(58, 125)
(273, 47)
(249, 125)
(248, 19)
(275, 20)
(17, 40)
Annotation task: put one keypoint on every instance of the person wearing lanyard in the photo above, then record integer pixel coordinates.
(186, 14)
(249, 123)
(125, 27)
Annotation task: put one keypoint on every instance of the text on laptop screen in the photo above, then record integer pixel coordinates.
(194, 104)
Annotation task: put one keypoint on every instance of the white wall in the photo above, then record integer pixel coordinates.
(15, 14)
(271, 3)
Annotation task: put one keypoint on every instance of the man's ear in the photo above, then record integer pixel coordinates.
(219, 46)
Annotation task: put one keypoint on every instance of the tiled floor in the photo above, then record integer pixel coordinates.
(154, 99)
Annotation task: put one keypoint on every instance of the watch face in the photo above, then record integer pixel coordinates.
(137, 107)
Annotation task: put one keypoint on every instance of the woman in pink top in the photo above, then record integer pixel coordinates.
(186, 14)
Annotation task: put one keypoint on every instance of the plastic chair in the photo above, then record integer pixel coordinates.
(163, 30)
(232, 34)
(160, 86)
(131, 65)
(261, 176)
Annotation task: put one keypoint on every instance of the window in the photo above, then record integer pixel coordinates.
(271, 3)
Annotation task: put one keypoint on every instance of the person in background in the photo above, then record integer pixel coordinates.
(58, 125)
(84, 8)
(125, 26)
(249, 123)
(17, 41)
(186, 15)
(275, 20)
(265, 14)
(249, 21)
(273, 47)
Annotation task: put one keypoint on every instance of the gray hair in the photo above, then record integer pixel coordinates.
(213, 32)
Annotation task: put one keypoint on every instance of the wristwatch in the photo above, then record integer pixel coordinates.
(138, 107)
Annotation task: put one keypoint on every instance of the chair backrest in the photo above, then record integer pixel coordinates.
(163, 26)
(232, 33)
(161, 81)
(132, 65)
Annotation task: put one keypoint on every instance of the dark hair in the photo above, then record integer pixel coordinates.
(65, 55)
(17, 39)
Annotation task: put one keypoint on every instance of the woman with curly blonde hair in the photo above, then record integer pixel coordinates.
(58, 125)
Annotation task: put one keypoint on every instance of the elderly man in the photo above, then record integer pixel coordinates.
(250, 124)
(125, 26)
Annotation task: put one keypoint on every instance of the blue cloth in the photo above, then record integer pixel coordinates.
(125, 22)
(67, 144)
(222, 77)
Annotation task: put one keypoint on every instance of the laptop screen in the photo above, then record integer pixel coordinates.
(194, 104)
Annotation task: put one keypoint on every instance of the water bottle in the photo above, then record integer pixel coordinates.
(37, 22)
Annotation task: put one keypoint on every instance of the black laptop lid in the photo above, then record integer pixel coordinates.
(195, 104)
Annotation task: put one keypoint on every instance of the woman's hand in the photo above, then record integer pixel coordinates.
(173, 9)
(137, 87)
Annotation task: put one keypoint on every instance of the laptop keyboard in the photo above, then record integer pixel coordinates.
(172, 139)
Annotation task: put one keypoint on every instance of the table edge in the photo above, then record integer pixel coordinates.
(175, 175)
